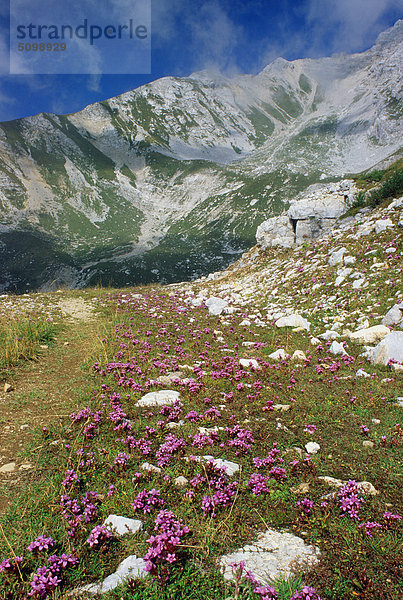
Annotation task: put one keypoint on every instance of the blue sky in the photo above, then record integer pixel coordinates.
(232, 36)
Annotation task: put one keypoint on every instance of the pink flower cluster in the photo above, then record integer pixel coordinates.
(163, 546)
(146, 500)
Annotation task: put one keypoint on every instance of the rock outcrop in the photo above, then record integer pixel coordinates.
(307, 218)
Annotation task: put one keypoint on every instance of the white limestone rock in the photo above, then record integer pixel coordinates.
(159, 398)
(312, 447)
(390, 348)
(272, 556)
(122, 525)
(132, 567)
(299, 355)
(362, 373)
(230, 467)
(329, 335)
(146, 466)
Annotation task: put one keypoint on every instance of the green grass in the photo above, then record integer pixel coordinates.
(20, 339)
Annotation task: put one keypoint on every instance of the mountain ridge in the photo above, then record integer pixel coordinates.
(163, 181)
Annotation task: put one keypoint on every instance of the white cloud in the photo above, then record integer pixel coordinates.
(215, 37)
(353, 24)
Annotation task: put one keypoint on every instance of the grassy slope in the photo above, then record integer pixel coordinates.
(152, 332)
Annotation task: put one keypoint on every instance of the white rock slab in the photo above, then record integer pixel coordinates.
(329, 335)
(299, 355)
(362, 373)
(366, 486)
(122, 525)
(293, 320)
(132, 566)
(159, 398)
(271, 556)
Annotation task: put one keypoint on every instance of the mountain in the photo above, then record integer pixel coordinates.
(171, 180)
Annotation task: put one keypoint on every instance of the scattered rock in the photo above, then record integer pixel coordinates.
(181, 481)
(329, 335)
(362, 373)
(230, 467)
(336, 256)
(382, 224)
(302, 488)
(282, 407)
(299, 355)
(394, 315)
(366, 486)
(122, 525)
(26, 466)
(8, 387)
(337, 348)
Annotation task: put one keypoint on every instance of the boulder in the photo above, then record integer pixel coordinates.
(328, 206)
(216, 305)
(390, 348)
(394, 315)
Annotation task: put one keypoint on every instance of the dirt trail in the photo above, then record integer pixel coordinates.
(45, 391)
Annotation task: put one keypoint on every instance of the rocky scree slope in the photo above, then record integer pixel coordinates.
(170, 180)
